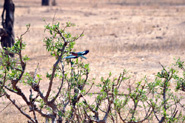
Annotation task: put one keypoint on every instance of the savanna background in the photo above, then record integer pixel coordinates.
(121, 34)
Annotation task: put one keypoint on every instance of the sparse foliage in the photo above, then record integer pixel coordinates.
(115, 100)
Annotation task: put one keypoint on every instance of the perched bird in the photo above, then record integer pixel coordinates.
(77, 54)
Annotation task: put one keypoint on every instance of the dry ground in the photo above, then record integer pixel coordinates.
(120, 35)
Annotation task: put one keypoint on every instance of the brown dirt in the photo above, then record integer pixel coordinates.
(120, 35)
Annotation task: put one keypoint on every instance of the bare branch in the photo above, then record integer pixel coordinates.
(45, 115)
(88, 106)
(156, 115)
(119, 113)
(35, 72)
(5, 107)
(36, 88)
(107, 112)
(61, 85)
(32, 106)
(89, 89)
(27, 29)
(22, 112)
(149, 112)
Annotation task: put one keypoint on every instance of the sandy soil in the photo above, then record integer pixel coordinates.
(120, 35)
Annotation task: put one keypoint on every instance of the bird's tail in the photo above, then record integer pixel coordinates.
(83, 56)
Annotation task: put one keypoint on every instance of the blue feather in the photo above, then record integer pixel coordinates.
(83, 52)
(70, 57)
(80, 54)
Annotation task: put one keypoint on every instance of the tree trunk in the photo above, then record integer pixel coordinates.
(7, 32)
(45, 2)
(53, 2)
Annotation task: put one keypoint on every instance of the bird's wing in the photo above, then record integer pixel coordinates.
(71, 57)
(83, 52)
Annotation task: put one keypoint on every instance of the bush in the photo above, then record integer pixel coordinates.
(73, 100)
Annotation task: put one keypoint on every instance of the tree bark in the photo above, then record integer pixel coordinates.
(45, 2)
(7, 32)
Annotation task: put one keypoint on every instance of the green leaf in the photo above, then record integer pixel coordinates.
(110, 74)
(102, 79)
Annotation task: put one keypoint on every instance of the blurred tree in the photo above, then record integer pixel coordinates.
(7, 32)
(54, 3)
(45, 2)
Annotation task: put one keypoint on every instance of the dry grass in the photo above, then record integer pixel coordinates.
(120, 35)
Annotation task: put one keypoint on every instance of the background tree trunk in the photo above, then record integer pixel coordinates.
(7, 32)
(45, 2)
(53, 3)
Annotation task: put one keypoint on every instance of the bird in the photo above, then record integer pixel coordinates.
(77, 54)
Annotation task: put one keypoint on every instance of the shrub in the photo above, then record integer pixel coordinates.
(73, 100)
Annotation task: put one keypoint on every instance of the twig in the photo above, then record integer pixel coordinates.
(77, 37)
(5, 107)
(147, 115)
(33, 106)
(13, 102)
(28, 27)
(119, 113)
(35, 72)
(54, 17)
(89, 89)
